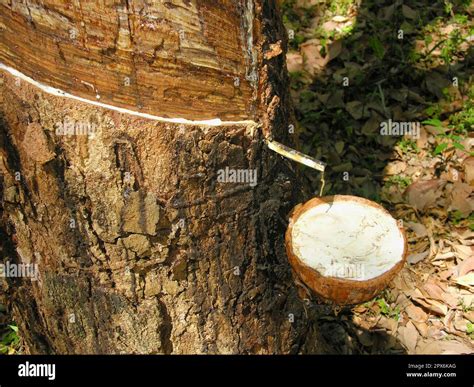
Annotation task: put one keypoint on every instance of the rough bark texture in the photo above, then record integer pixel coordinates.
(140, 248)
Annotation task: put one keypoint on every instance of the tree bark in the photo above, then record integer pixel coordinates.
(141, 247)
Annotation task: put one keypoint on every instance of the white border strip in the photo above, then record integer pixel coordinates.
(61, 93)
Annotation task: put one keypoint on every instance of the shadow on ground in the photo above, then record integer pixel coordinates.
(382, 70)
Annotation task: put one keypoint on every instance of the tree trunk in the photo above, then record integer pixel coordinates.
(120, 134)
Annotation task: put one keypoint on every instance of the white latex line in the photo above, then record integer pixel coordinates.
(296, 156)
(61, 93)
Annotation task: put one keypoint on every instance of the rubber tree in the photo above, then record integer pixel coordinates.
(136, 177)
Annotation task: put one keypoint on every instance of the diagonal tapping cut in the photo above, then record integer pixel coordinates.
(61, 93)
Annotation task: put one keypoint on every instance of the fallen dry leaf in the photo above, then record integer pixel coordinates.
(386, 13)
(323, 98)
(466, 280)
(436, 330)
(436, 82)
(412, 95)
(392, 194)
(372, 124)
(463, 252)
(469, 316)
(294, 61)
(442, 347)
(469, 170)
(408, 12)
(465, 267)
(360, 309)
(334, 50)
(433, 289)
(335, 100)
(433, 306)
(421, 327)
(422, 140)
(460, 198)
(452, 175)
(313, 60)
(453, 347)
(402, 301)
(464, 236)
(436, 290)
(395, 168)
(443, 256)
(465, 296)
(416, 314)
(446, 274)
(419, 229)
(355, 109)
(408, 336)
(330, 26)
(429, 347)
(404, 282)
(389, 324)
(424, 193)
(459, 323)
(450, 300)
(448, 321)
(413, 259)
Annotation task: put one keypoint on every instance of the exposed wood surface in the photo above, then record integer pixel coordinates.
(183, 58)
